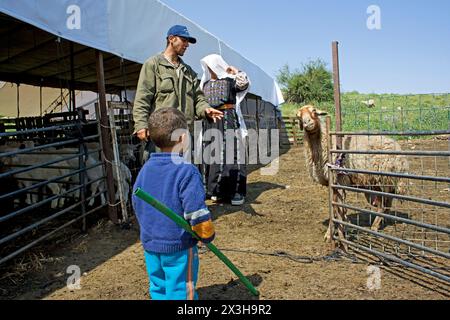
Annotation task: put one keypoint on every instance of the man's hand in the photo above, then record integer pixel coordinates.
(214, 114)
(143, 134)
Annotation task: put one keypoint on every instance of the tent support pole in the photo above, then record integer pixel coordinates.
(107, 154)
(72, 78)
(40, 100)
(18, 100)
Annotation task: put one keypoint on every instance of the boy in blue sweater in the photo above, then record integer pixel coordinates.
(171, 254)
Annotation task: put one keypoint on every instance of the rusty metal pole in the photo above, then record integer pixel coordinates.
(330, 183)
(337, 93)
(107, 154)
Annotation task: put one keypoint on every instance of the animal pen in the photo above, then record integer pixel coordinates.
(414, 241)
(60, 168)
(64, 151)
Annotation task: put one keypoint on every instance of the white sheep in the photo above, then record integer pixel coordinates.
(127, 154)
(48, 154)
(97, 172)
(369, 103)
(126, 151)
(125, 180)
(40, 173)
(92, 174)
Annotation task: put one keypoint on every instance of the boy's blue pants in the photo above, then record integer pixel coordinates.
(173, 276)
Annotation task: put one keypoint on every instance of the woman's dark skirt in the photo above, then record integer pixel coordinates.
(224, 180)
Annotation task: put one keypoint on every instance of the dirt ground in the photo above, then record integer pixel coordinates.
(285, 212)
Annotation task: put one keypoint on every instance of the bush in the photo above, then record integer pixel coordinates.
(313, 83)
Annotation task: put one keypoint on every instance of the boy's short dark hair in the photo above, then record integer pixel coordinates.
(162, 123)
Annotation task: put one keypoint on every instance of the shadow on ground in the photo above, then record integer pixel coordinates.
(366, 220)
(254, 190)
(44, 269)
(233, 290)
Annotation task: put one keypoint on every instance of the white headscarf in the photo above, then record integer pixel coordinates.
(216, 63)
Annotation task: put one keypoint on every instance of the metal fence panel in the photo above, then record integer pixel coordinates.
(416, 229)
(48, 176)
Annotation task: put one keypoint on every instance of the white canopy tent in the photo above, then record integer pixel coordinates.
(133, 30)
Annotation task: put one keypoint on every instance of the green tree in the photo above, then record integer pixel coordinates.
(313, 83)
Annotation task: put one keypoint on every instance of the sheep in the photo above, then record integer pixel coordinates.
(315, 141)
(97, 172)
(92, 174)
(7, 185)
(42, 156)
(37, 173)
(369, 103)
(127, 154)
(126, 151)
(125, 180)
(92, 160)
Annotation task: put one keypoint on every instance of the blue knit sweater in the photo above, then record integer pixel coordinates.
(178, 185)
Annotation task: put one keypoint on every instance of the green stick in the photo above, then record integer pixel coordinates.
(185, 225)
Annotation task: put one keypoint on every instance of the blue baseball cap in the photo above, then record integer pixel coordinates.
(181, 31)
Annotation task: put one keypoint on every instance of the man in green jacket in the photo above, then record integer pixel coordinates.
(166, 81)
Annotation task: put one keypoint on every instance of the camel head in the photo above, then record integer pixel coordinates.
(309, 118)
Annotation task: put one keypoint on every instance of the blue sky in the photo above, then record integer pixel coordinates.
(410, 54)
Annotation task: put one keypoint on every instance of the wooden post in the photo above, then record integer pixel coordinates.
(18, 100)
(40, 99)
(337, 93)
(294, 131)
(257, 128)
(257, 114)
(107, 154)
(279, 126)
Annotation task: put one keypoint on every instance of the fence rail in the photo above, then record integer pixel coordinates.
(416, 233)
(290, 133)
(51, 183)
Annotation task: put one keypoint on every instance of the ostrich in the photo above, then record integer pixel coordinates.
(315, 141)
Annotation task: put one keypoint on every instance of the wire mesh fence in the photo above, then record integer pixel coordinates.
(390, 112)
(128, 155)
(396, 166)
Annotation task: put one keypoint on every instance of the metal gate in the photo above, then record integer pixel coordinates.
(414, 239)
(51, 177)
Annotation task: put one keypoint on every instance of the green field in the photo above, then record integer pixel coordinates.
(390, 113)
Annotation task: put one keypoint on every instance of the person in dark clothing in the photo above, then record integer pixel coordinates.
(224, 88)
